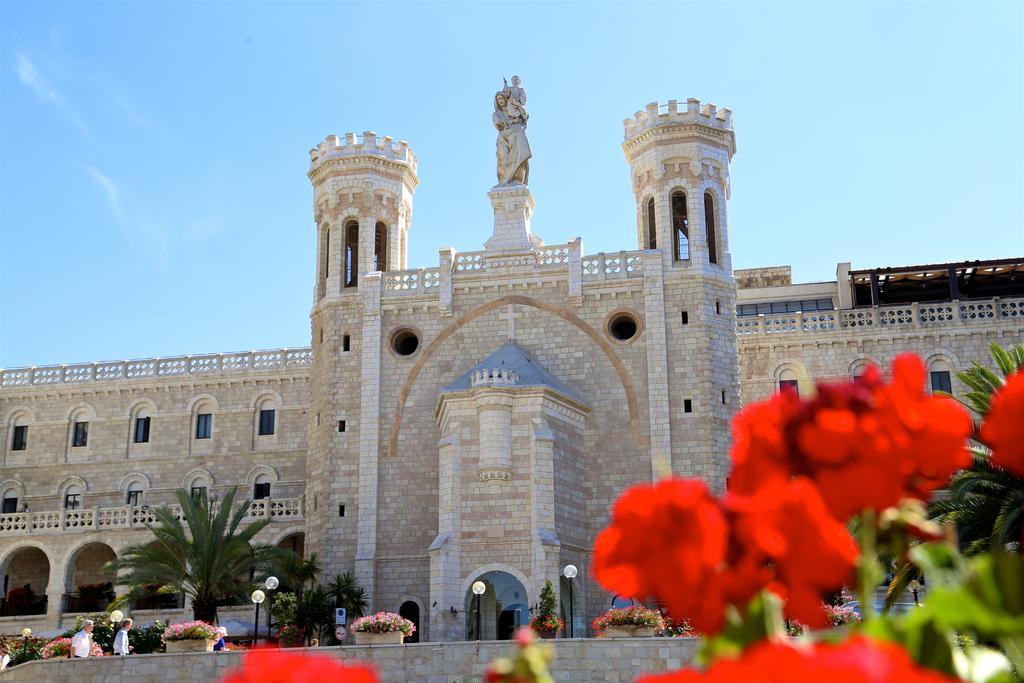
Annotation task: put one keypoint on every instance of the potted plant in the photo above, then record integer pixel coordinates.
(629, 622)
(61, 647)
(291, 635)
(678, 628)
(382, 628)
(190, 636)
(547, 624)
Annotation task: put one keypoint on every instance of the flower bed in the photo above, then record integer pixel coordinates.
(61, 647)
(291, 635)
(383, 622)
(190, 630)
(547, 624)
(628, 618)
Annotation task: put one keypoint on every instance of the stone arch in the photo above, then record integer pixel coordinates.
(68, 483)
(402, 609)
(135, 478)
(198, 474)
(790, 368)
(29, 563)
(565, 314)
(265, 470)
(268, 396)
(859, 364)
(941, 354)
(85, 565)
(81, 409)
(292, 539)
(12, 486)
(499, 611)
(199, 399)
(140, 405)
(494, 567)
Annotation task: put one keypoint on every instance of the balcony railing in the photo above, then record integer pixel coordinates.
(126, 517)
(880, 318)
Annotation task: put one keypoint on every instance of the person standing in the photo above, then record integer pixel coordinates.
(81, 644)
(121, 646)
(220, 645)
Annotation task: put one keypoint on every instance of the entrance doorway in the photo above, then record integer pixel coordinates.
(504, 608)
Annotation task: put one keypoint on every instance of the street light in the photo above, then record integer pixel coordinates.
(570, 572)
(257, 597)
(25, 634)
(271, 583)
(479, 587)
(116, 617)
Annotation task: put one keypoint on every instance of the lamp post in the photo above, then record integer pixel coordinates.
(271, 584)
(258, 597)
(26, 633)
(479, 587)
(569, 573)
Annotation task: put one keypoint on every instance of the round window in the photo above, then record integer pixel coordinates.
(623, 327)
(405, 342)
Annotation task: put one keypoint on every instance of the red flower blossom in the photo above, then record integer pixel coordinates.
(1003, 430)
(667, 540)
(857, 660)
(277, 666)
(864, 444)
(810, 553)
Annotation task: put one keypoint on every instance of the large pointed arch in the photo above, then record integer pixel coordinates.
(563, 313)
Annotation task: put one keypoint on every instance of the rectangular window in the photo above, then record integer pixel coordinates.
(20, 441)
(198, 492)
(341, 510)
(341, 425)
(718, 306)
(142, 430)
(686, 318)
(789, 385)
(687, 405)
(723, 397)
(81, 435)
(10, 505)
(346, 343)
(261, 491)
(72, 501)
(941, 381)
(267, 422)
(134, 498)
(204, 425)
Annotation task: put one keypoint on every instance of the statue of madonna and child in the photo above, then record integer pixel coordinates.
(513, 148)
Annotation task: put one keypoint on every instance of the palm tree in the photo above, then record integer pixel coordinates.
(347, 593)
(201, 554)
(985, 501)
(297, 572)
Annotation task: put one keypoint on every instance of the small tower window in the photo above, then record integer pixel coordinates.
(351, 273)
(652, 233)
(380, 248)
(709, 222)
(20, 441)
(680, 227)
(346, 343)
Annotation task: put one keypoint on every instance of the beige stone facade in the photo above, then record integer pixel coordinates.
(469, 420)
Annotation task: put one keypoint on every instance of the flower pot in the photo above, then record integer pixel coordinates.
(547, 635)
(630, 632)
(190, 645)
(390, 638)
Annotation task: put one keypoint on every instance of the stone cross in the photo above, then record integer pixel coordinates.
(510, 316)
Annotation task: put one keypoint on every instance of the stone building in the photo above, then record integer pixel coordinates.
(468, 421)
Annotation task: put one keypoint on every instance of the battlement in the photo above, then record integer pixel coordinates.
(495, 377)
(670, 113)
(368, 144)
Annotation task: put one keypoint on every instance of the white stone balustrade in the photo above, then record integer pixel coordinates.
(495, 377)
(922, 315)
(127, 517)
(181, 366)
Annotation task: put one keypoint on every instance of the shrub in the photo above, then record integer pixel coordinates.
(383, 622)
(61, 647)
(629, 616)
(291, 635)
(191, 630)
(678, 628)
(23, 649)
(546, 620)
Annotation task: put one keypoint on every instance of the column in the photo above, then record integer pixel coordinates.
(445, 570)
(545, 545)
(369, 436)
(659, 412)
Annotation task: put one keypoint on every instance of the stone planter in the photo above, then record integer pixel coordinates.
(546, 635)
(630, 632)
(391, 638)
(190, 645)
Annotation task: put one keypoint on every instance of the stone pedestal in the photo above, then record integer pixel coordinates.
(513, 208)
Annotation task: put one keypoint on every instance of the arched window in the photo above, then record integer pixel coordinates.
(411, 611)
(709, 223)
(261, 487)
(73, 497)
(680, 227)
(939, 376)
(788, 381)
(380, 247)
(351, 273)
(650, 227)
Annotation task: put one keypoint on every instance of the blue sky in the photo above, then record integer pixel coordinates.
(153, 198)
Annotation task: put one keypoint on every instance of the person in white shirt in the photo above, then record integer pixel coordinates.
(5, 660)
(82, 642)
(121, 646)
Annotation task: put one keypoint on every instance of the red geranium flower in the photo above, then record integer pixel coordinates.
(1003, 430)
(278, 666)
(667, 540)
(857, 660)
(810, 553)
(864, 443)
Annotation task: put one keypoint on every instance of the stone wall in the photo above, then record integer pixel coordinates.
(576, 661)
(770, 276)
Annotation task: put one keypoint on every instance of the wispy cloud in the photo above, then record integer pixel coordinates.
(30, 76)
(113, 194)
(136, 226)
